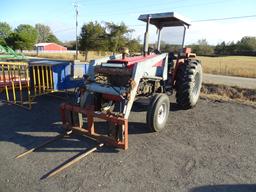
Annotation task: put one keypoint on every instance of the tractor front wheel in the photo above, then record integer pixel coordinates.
(188, 83)
(158, 112)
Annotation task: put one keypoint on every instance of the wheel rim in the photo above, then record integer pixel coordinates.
(196, 84)
(161, 114)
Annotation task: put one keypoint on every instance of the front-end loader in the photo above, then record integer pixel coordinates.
(112, 86)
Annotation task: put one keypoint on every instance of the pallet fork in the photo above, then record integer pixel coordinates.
(89, 132)
(68, 163)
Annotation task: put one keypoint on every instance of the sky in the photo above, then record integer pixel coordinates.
(60, 16)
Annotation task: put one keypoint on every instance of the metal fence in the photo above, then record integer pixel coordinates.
(15, 83)
(20, 82)
(41, 79)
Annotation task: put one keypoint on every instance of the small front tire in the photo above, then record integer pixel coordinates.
(158, 112)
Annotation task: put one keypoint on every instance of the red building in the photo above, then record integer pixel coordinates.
(49, 47)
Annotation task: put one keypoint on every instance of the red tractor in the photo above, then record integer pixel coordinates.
(112, 85)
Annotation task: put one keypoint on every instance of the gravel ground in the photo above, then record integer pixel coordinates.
(208, 148)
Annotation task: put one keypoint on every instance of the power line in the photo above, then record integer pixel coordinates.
(214, 19)
(195, 21)
(225, 18)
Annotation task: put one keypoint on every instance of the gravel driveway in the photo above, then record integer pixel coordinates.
(209, 148)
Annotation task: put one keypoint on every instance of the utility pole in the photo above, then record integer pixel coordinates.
(76, 9)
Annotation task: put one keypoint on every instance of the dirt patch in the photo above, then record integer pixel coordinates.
(227, 92)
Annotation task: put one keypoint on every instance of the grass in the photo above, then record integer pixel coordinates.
(243, 66)
(229, 93)
(71, 56)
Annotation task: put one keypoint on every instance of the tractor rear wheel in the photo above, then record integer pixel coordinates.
(188, 83)
(158, 112)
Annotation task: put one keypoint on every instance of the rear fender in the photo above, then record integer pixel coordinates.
(183, 55)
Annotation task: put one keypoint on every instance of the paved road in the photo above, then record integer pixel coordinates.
(249, 83)
(208, 148)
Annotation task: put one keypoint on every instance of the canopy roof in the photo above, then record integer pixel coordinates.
(169, 19)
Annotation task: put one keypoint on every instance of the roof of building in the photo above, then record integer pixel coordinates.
(45, 44)
(42, 44)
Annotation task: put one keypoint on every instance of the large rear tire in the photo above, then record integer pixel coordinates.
(158, 112)
(188, 83)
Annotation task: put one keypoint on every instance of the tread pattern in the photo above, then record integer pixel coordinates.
(185, 82)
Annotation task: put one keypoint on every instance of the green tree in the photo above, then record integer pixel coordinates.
(247, 44)
(166, 47)
(71, 45)
(28, 35)
(110, 37)
(92, 37)
(117, 35)
(231, 48)
(5, 31)
(202, 48)
(220, 48)
(53, 39)
(134, 45)
(14, 41)
(43, 32)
